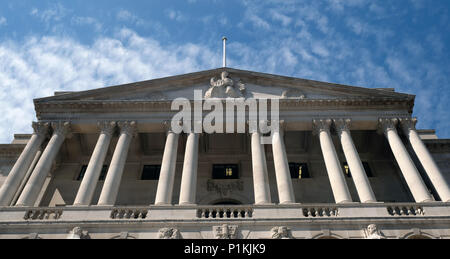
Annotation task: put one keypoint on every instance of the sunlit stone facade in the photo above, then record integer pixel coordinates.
(347, 162)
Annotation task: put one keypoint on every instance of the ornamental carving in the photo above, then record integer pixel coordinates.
(225, 88)
(342, 124)
(77, 233)
(408, 124)
(40, 128)
(106, 127)
(225, 231)
(61, 128)
(385, 124)
(281, 232)
(372, 232)
(225, 188)
(169, 233)
(127, 127)
(293, 93)
(321, 125)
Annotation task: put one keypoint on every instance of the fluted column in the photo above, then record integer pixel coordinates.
(167, 174)
(17, 173)
(260, 175)
(40, 172)
(94, 169)
(282, 173)
(336, 176)
(404, 161)
(359, 175)
(189, 176)
(425, 158)
(111, 186)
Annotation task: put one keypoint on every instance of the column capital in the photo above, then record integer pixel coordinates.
(40, 128)
(128, 127)
(385, 124)
(62, 128)
(167, 125)
(342, 124)
(320, 125)
(408, 124)
(106, 127)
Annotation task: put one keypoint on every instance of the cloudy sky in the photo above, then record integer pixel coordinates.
(48, 46)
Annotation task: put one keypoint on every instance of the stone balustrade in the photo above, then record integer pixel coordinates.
(320, 212)
(43, 214)
(224, 212)
(198, 213)
(405, 210)
(129, 213)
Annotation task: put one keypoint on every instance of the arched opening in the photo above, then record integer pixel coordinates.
(418, 237)
(227, 202)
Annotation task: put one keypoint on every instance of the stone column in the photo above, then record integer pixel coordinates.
(94, 169)
(27, 176)
(337, 179)
(40, 172)
(189, 177)
(17, 173)
(260, 175)
(411, 175)
(167, 174)
(114, 175)
(425, 158)
(359, 175)
(282, 173)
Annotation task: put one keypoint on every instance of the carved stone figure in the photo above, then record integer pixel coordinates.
(224, 88)
(76, 233)
(372, 232)
(169, 233)
(280, 233)
(225, 231)
(292, 93)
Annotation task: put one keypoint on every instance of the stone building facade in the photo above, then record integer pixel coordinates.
(347, 162)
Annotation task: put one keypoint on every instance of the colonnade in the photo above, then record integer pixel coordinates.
(27, 193)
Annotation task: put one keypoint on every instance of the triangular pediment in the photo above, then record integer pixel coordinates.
(235, 83)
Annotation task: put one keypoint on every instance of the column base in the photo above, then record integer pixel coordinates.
(187, 204)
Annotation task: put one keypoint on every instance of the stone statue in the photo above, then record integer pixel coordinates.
(280, 232)
(169, 233)
(225, 232)
(76, 233)
(224, 88)
(372, 232)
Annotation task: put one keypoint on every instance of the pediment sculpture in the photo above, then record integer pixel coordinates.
(281, 232)
(225, 87)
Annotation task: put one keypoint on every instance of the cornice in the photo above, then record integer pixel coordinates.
(285, 104)
(437, 145)
(11, 150)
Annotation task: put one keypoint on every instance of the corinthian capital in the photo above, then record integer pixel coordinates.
(320, 125)
(61, 128)
(342, 124)
(106, 127)
(127, 127)
(408, 124)
(40, 128)
(385, 124)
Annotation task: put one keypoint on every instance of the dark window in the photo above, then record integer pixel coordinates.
(229, 171)
(365, 165)
(151, 172)
(299, 170)
(83, 171)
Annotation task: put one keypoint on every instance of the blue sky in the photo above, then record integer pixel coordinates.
(48, 46)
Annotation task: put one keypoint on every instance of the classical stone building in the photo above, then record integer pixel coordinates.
(346, 162)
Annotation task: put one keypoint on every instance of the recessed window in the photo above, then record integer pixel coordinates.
(228, 171)
(83, 172)
(299, 170)
(151, 172)
(365, 165)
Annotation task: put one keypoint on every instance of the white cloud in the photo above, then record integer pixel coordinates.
(40, 66)
(2, 21)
